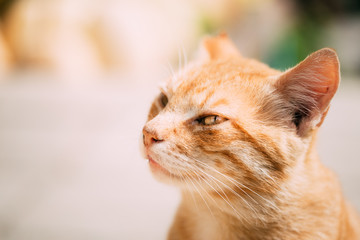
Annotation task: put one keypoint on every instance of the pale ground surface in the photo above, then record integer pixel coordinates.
(70, 167)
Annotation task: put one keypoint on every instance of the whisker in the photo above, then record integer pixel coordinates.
(190, 191)
(173, 74)
(206, 194)
(226, 200)
(228, 187)
(184, 55)
(167, 71)
(238, 183)
(200, 194)
(179, 60)
(213, 169)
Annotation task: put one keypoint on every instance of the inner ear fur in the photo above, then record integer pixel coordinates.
(309, 88)
(218, 47)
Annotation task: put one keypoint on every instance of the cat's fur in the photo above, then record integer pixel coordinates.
(253, 173)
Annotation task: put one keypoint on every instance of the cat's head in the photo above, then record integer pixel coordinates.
(227, 122)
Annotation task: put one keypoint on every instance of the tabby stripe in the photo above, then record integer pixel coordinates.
(276, 166)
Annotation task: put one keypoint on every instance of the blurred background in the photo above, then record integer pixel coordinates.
(77, 79)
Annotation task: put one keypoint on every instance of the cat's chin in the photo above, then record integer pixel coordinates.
(161, 173)
(156, 168)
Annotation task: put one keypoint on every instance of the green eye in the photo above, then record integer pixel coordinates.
(210, 120)
(163, 100)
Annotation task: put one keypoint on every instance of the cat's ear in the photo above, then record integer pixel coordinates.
(218, 47)
(309, 88)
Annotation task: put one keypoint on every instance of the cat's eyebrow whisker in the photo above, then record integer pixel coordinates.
(167, 71)
(173, 74)
(184, 55)
(179, 59)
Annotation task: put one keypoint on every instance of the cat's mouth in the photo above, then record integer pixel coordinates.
(156, 166)
(163, 174)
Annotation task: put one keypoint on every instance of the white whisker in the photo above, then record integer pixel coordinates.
(184, 55)
(200, 194)
(228, 187)
(238, 183)
(227, 201)
(180, 60)
(173, 74)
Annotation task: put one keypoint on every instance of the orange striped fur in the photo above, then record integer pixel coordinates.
(237, 138)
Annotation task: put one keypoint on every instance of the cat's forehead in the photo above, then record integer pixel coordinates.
(201, 88)
(218, 83)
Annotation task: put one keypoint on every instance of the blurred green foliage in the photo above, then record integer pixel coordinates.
(307, 34)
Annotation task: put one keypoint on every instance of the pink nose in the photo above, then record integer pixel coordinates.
(151, 137)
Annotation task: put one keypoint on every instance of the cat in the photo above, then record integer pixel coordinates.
(238, 138)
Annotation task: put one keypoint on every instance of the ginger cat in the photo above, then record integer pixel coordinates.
(238, 138)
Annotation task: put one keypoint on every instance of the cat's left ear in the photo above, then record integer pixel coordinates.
(309, 87)
(218, 47)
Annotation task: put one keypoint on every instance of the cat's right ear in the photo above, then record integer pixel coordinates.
(309, 88)
(218, 47)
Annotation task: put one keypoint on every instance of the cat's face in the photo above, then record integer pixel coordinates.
(206, 129)
(228, 123)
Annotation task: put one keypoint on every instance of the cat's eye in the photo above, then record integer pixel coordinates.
(210, 120)
(163, 100)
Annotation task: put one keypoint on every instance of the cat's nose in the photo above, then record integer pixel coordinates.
(150, 136)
